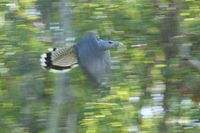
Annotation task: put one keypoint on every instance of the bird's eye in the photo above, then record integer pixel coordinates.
(109, 42)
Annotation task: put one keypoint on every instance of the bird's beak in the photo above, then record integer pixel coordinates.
(121, 47)
(117, 44)
(120, 44)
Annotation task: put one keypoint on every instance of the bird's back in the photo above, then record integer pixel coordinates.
(94, 61)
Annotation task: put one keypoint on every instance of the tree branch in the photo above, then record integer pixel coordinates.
(184, 52)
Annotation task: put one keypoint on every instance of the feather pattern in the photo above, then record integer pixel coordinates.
(59, 59)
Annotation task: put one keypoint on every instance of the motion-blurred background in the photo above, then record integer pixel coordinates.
(155, 81)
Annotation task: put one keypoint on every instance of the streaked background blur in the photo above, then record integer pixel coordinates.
(155, 81)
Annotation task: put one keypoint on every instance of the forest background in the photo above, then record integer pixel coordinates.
(155, 82)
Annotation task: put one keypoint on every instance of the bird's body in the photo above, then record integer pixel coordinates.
(91, 53)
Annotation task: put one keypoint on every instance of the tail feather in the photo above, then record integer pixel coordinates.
(59, 59)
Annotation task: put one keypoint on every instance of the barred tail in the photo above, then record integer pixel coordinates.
(59, 59)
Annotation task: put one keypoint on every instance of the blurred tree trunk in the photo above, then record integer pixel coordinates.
(169, 27)
(63, 101)
(66, 17)
(46, 9)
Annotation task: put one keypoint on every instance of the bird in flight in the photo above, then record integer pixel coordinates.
(90, 53)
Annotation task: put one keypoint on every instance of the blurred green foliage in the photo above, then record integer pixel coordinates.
(148, 92)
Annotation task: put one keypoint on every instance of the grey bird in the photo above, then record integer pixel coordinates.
(90, 53)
